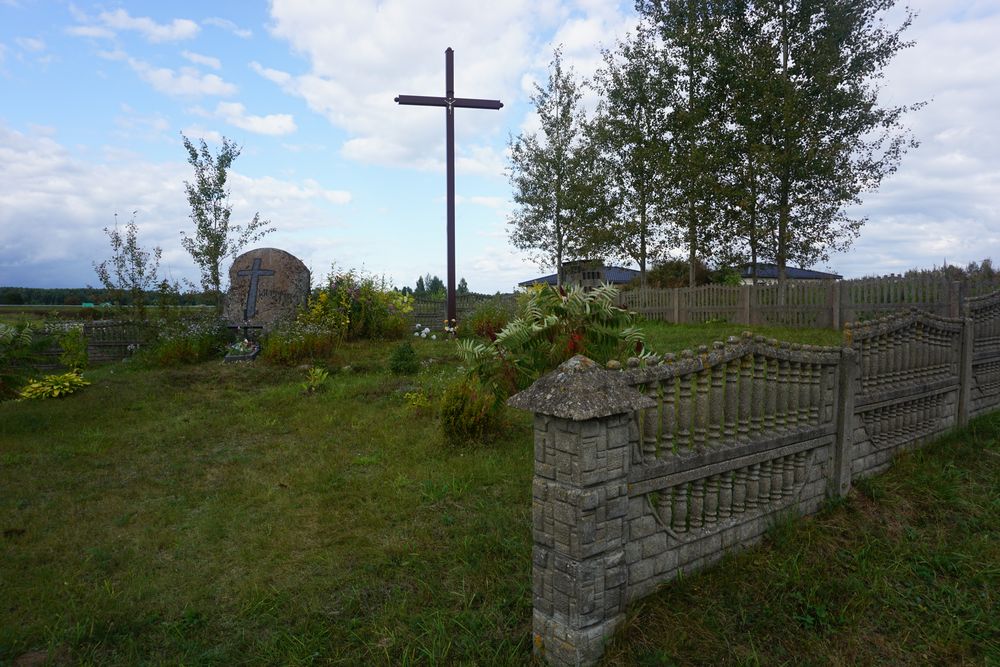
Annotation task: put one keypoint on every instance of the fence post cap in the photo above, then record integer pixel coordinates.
(578, 390)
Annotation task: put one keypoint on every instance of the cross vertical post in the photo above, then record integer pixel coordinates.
(450, 102)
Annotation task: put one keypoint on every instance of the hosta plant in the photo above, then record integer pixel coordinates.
(54, 386)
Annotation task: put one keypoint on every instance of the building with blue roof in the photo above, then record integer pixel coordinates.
(587, 274)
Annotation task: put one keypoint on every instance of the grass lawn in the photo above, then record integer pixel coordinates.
(216, 515)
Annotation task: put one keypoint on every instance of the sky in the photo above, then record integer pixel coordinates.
(94, 98)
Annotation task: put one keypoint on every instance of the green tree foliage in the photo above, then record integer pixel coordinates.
(463, 287)
(632, 133)
(18, 348)
(688, 30)
(555, 176)
(215, 238)
(131, 271)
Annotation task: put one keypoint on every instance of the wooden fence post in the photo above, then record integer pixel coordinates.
(834, 301)
(745, 304)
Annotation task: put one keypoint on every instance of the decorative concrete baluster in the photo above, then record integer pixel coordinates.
(665, 507)
(695, 519)
(777, 479)
(882, 367)
(781, 410)
(898, 342)
(726, 495)
(920, 352)
(764, 484)
(815, 393)
(668, 415)
(759, 399)
(787, 475)
(906, 343)
(771, 407)
(711, 500)
(740, 482)
(680, 509)
(753, 486)
(794, 377)
(866, 363)
(716, 399)
(732, 396)
(684, 412)
(746, 396)
(650, 428)
(800, 468)
(805, 385)
(701, 407)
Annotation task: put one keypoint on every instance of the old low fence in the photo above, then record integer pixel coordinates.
(107, 340)
(645, 473)
(433, 312)
(823, 304)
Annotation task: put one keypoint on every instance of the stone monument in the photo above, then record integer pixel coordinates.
(265, 285)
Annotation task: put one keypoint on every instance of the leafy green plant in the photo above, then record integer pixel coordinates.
(315, 378)
(404, 360)
(555, 325)
(18, 347)
(73, 344)
(54, 386)
(355, 306)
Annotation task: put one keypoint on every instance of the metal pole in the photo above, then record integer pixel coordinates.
(449, 69)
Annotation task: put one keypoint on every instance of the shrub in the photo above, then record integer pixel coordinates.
(356, 306)
(403, 360)
(74, 348)
(294, 343)
(488, 318)
(54, 386)
(470, 413)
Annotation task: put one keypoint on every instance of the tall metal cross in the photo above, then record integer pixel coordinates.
(254, 272)
(450, 103)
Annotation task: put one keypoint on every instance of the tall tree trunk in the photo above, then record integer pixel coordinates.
(785, 175)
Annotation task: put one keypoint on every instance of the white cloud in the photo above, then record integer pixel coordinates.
(272, 75)
(188, 82)
(55, 203)
(94, 31)
(396, 48)
(199, 59)
(30, 44)
(178, 29)
(226, 24)
(235, 114)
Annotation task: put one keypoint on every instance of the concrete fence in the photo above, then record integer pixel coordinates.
(645, 473)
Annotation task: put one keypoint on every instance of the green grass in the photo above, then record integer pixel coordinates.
(663, 337)
(216, 515)
(905, 571)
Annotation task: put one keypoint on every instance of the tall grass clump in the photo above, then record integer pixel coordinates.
(297, 342)
(488, 318)
(184, 341)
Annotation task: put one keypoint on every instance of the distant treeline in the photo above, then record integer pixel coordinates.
(75, 296)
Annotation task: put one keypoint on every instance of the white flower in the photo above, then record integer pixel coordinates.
(434, 337)
(427, 330)
(416, 333)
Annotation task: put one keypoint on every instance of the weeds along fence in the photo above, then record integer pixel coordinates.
(649, 472)
(815, 304)
(433, 312)
(107, 340)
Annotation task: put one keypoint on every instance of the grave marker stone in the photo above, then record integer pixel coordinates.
(265, 285)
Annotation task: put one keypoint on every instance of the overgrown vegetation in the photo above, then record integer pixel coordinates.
(132, 271)
(54, 386)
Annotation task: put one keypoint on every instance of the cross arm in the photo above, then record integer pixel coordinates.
(469, 103)
(422, 100)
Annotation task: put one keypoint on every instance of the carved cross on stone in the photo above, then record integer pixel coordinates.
(450, 102)
(254, 272)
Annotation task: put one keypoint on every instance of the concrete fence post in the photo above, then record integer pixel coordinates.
(847, 380)
(965, 373)
(579, 507)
